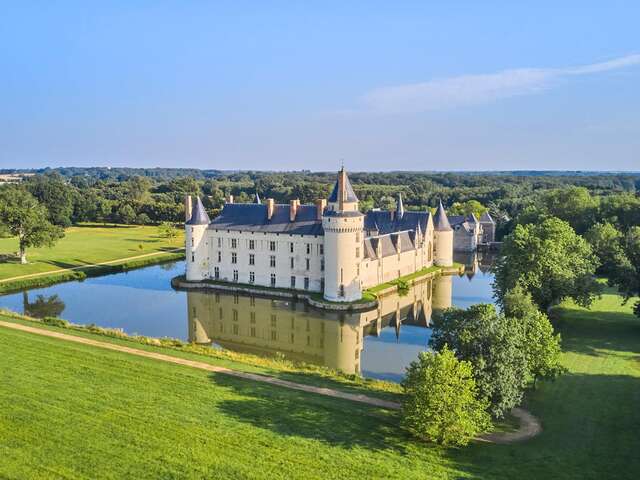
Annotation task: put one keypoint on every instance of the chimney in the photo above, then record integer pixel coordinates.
(293, 209)
(270, 208)
(230, 199)
(321, 204)
(188, 206)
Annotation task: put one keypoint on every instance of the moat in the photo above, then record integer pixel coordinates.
(378, 344)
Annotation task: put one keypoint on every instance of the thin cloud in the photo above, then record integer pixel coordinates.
(478, 89)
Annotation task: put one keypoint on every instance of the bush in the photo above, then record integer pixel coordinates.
(442, 403)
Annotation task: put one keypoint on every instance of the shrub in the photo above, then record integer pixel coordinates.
(442, 403)
(55, 322)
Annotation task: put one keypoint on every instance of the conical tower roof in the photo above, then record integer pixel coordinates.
(440, 220)
(342, 190)
(199, 214)
(399, 207)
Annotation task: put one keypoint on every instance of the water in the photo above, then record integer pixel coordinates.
(377, 344)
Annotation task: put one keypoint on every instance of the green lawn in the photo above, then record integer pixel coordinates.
(69, 410)
(86, 245)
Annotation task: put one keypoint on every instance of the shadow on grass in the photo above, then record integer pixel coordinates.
(590, 425)
(9, 258)
(299, 414)
(590, 332)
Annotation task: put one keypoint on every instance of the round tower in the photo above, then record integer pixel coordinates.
(443, 238)
(343, 226)
(197, 259)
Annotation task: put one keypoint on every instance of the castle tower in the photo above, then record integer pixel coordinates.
(343, 243)
(196, 244)
(443, 237)
(442, 293)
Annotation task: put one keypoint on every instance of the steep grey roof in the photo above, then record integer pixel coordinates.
(351, 195)
(440, 220)
(252, 217)
(378, 222)
(399, 206)
(199, 214)
(486, 218)
(389, 244)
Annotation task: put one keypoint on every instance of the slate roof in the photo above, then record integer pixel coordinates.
(389, 244)
(486, 218)
(461, 221)
(378, 222)
(440, 220)
(199, 214)
(351, 195)
(252, 217)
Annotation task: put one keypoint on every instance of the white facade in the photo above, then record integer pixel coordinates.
(312, 247)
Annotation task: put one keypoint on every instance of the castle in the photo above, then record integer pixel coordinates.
(329, 246)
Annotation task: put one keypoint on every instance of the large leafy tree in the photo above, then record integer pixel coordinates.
(492, 343)
(626, 275)
(541, 344)
(25, 218)
(56, 195)
(442, 402)
(550, 261)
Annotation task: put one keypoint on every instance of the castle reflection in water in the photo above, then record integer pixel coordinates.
(267, 327)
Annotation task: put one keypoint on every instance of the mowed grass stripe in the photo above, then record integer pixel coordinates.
(185, 418)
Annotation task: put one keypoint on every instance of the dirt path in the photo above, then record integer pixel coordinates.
(109, 262)
(329, 392)
(529, 428)
(529, 425)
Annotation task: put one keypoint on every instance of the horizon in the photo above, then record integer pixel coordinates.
(541, 87)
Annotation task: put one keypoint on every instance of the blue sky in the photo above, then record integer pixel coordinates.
(301, 85)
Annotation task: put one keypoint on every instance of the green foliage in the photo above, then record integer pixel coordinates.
(442, 402)
(542, 346)
(467, 208)
(626, 273)
(605, 240)
(167, 230)
(56, 195)
(403, 287)
(26, 219)
(492, 343)
(550, 261)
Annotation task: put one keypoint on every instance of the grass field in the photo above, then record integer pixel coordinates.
(69, 410)
(86, 245)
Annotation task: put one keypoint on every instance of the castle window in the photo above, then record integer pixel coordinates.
(236, 299)
(322, 265)
(252, 277)
(308, 249)
(192, 242)
(273, 279)
(216, 273)
(235, 275)
(341, 293)
(253, 331)
(273, 320)
(322, 290)
(252, 317)
(219, 256)
(274, 335)
(252, 302)
(193, 257)
(293, 281)
(357, 237)
(235, 329)
(272, 261)
(290, 247)
(291, 261)
(357, 252)
(252, 244)
(234, 243)
(321, 249)
(308, 262)
(234, 257)
(306, 283)
(252, 259)
(235, 315)
(219, 242)
(272, 246)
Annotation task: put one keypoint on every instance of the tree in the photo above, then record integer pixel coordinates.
(550, 261)
(626, 275)
(492, 343)
(56, 195)
(606, 242)
(126, 214)
(540, 343)
(167, 230)
(442, 402)
(467, 208)
(25, 218)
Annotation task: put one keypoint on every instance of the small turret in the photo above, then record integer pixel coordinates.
(196, 244)
(443, 235)
(399, 207)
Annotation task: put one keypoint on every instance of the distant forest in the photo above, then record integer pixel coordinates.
(154, 195)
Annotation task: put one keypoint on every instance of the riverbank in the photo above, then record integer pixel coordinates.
(369, 300)
(87, 250)
(147, 419)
